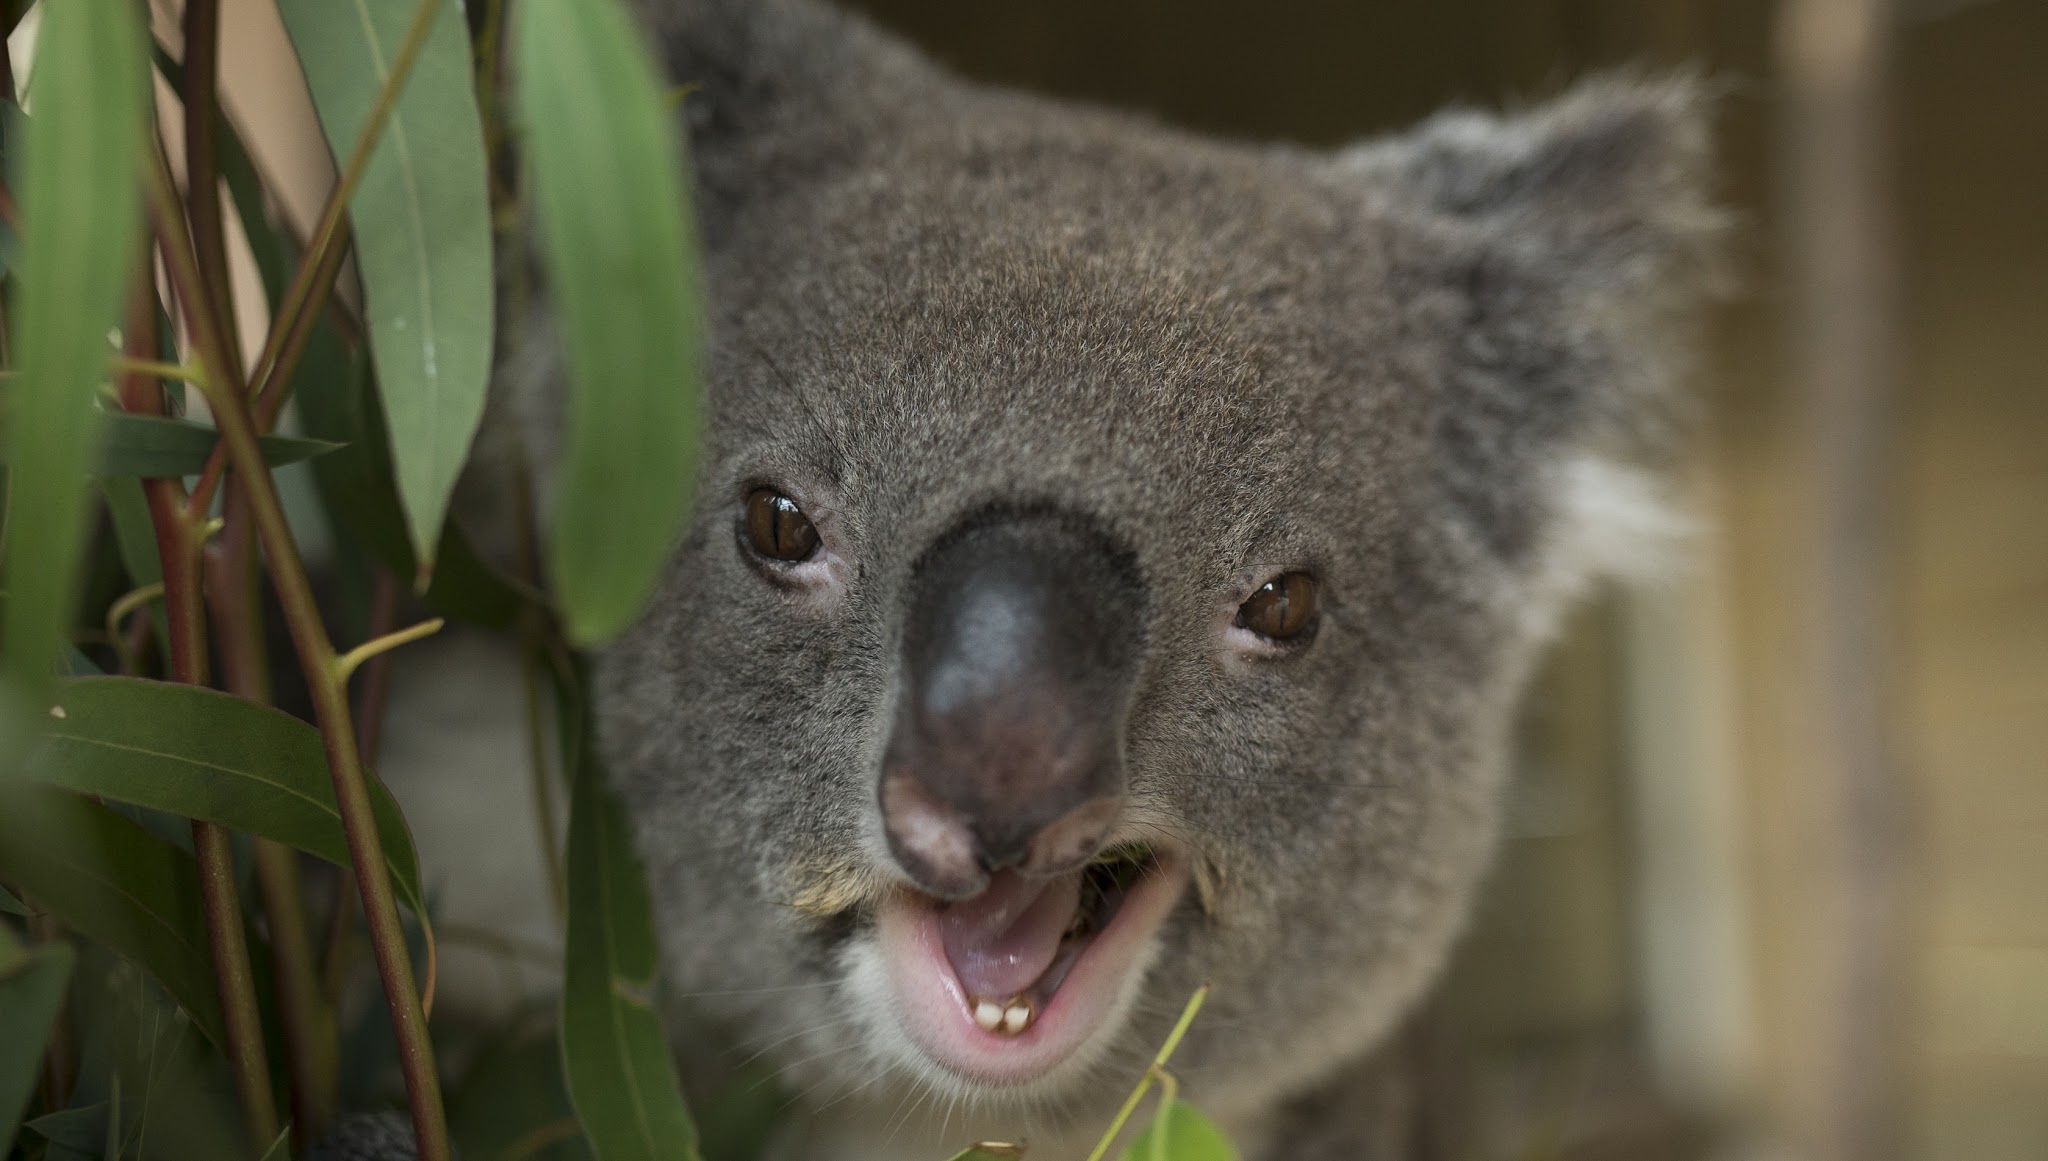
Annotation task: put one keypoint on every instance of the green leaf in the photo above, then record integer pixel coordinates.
(208, 755)
(80, 217)
(32, 985)
(1181, 1133)
(9, 905)
(615, 1059)
(109, 879)
(356, 486)
(422, 229)
(605, 153)
(150, 446)
(83, 1128)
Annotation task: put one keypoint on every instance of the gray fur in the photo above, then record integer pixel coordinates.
(1420, 367)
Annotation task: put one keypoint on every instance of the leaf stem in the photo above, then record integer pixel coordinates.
(345, 665)
(1155, 1071)
(330, 701)
(189, 372)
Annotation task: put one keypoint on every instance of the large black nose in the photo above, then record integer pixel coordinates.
(1022, 640)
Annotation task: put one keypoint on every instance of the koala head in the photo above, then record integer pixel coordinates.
(1116, 557)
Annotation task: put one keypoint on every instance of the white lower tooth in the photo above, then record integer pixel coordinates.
(1015, 1017)
(988, 1014)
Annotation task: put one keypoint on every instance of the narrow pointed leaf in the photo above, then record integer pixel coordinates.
(1181, 1133)
(80, 219)
(150, 446)
(83, 1128)
(615, 1059)
(9, 905)
(32, 985)
(604, 147)
(203, 754)
(422, 229)
(106, 877)
(337, 403)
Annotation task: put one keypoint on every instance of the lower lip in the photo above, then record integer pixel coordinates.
(938, 1014)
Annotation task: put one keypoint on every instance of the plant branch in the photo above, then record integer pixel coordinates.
(298, 309)
(1157, 1070)
(337, 729)
(179, 543)
(375, 694)
(235, 594)
(315, 276)
(202, 162)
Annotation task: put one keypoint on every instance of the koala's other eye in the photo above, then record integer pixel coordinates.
(1284, 608)
(777, 528)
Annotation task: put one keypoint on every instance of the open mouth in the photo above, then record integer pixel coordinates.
(1008, 985)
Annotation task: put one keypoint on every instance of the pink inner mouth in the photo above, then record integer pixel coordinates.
(1005, 986)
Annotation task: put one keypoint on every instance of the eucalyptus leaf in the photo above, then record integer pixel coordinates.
(615, 1059)
(1181, 1133)
(337, 403)
(109, 879)
(422, 237)
(204, 754)
(32, 985)
(81, 217)
(604, 148)
(150, 447)
(83, 1128)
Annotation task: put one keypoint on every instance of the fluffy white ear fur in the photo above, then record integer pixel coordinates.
(1610, 520)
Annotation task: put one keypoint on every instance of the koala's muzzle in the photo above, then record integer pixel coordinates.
(1019, 650)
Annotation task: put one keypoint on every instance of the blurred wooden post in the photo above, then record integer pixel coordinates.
(1833, 58)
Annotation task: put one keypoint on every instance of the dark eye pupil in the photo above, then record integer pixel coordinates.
(1282, 609)
(777, 528)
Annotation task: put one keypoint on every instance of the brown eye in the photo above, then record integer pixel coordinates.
(777, 528)
(1282, 609)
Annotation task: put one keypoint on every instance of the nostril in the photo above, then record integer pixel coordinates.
(951, 857)
(1071, 840)
(931, 842)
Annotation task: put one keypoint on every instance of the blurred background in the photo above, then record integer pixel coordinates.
(1777, 878)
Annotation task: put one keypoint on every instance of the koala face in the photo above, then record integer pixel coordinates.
(1115, 558)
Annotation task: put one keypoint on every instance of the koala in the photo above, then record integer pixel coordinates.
(1116, 558)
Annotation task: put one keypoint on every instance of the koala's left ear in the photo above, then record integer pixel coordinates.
(1576, 238)
(1607, 184)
